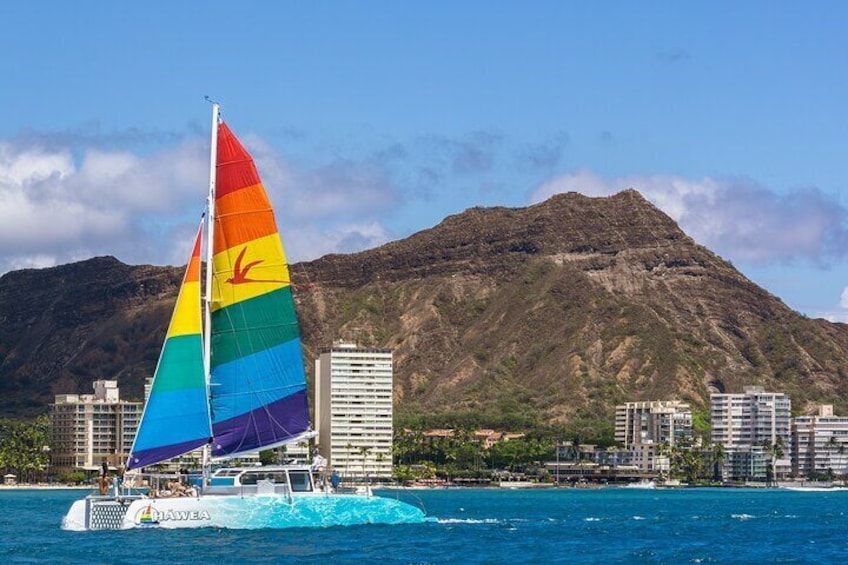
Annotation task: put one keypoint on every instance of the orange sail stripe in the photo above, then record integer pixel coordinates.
(235, 166)
(193, 271)
(243, 216)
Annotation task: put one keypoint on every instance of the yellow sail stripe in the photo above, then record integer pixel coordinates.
(246, 271)
(186, 319)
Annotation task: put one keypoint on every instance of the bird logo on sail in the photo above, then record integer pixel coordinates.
(240, 273)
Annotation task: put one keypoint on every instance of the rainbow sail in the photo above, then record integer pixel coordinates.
(257, 381)
(176, 416)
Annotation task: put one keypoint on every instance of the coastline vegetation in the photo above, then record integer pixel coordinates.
(25, 448)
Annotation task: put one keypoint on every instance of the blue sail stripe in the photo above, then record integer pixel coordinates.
(157, 454)
(249, 383)
(176, 423)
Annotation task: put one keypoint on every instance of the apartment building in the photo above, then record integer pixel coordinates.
(658, 421)
(353, 409)
(88, 428)
(820, 445)
(754, 429)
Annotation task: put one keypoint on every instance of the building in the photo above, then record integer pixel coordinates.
(644, 427)
(654, 422)
(820, 445)
(88, 428)
(754, 429)
(353, 409)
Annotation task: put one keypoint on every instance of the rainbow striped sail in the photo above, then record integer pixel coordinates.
(176, 416)
(257, 381)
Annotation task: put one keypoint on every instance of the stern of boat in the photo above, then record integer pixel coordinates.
(98, 513)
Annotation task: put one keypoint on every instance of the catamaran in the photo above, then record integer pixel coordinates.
(230, 381)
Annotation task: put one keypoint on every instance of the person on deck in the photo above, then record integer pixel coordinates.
(104, 478)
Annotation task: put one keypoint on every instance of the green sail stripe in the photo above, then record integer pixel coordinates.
(181, 360)
(253, 325)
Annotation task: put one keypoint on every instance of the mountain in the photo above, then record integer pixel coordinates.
(551, 313)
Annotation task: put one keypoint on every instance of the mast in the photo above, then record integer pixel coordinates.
(210, 250)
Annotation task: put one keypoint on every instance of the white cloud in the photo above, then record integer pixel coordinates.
(736, 217)
(59, 205)
(31, 165)
(840, 314)
(311, 242)
(54, 209)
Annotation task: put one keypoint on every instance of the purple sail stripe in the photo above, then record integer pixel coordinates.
(267, 425)
(157, 454)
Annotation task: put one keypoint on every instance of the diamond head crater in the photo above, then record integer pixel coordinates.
(547, 315)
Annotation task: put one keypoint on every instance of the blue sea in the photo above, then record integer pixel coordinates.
(608, 525)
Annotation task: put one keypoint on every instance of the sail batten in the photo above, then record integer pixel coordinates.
(176, 415)
(258, 384)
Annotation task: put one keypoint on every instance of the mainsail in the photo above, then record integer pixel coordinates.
(176, 416)
(255, 394)
(257, 380)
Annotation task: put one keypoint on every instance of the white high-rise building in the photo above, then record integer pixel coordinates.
(751, 427)
(353, 409)
(88, 428)
(820, 445)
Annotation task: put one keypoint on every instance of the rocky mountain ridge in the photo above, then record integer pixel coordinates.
(551, 313)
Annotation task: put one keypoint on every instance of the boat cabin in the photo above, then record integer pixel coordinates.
(261, 480)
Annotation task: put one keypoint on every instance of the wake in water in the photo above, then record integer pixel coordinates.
(468, 521)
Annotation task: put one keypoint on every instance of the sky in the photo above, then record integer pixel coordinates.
(370, 121)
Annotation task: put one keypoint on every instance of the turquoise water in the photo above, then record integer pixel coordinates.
(612, 525)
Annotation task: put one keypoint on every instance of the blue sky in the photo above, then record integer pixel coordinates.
(373, 120)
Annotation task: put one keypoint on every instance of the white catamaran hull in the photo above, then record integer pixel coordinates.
(274, 511)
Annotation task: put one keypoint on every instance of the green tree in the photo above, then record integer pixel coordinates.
(364, 451)
(718, 461)
(22, 448)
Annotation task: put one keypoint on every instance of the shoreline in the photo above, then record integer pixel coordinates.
(45, 487)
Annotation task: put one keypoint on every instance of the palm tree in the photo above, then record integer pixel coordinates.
(363, 452)
(775, 452)
(380, 458)
(831, 446)
(348, 450)
(718, 461)
(575, 445)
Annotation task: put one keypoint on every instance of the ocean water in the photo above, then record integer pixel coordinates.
(610, 525)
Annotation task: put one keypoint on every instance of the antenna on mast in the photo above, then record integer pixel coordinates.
(214, 103)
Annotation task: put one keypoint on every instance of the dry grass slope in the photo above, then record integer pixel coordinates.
(547, 314)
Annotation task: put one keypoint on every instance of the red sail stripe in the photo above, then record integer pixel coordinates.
(235, 165)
